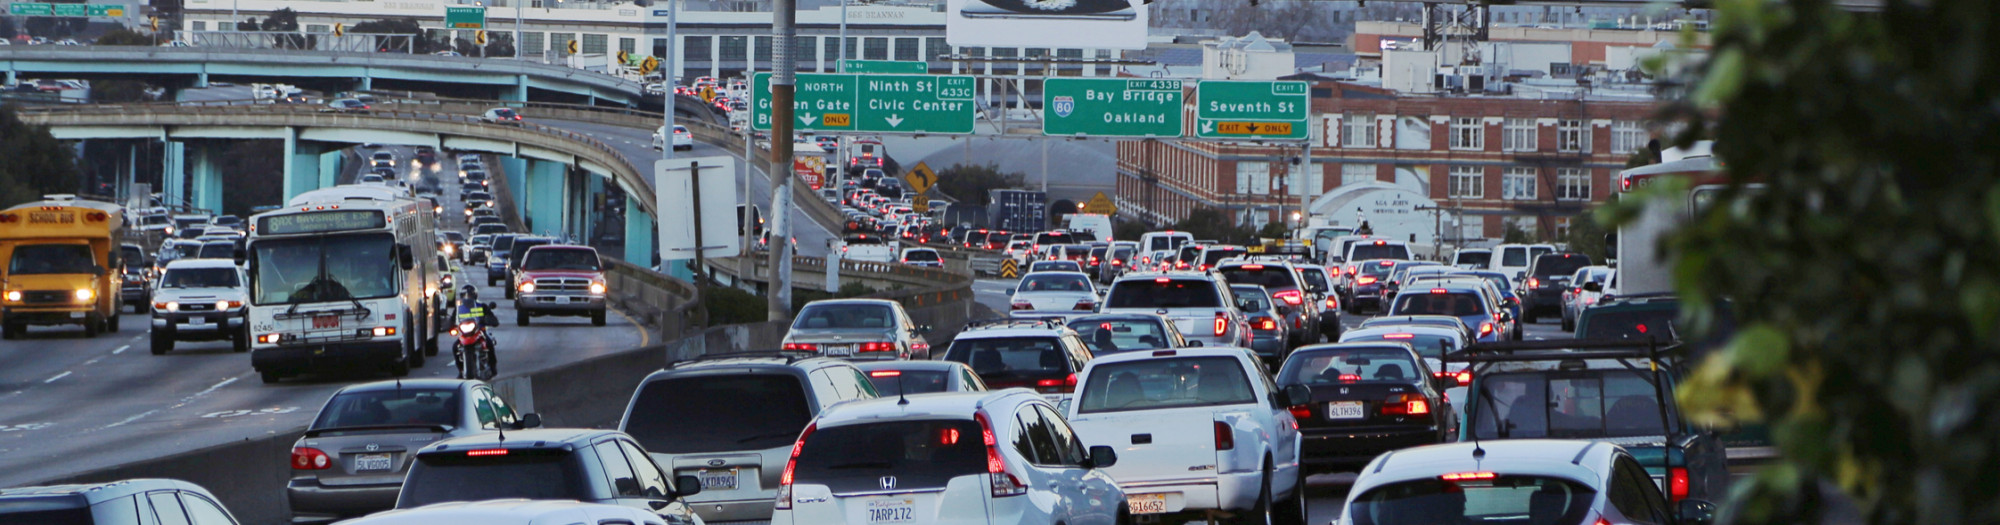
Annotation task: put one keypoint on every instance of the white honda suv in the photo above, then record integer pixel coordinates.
(975, 457)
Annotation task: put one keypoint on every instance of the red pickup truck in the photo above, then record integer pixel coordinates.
(559, 279)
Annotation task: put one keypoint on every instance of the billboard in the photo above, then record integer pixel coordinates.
(1088, 24)
(674, 188)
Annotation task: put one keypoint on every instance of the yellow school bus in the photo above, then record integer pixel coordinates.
(59, 265)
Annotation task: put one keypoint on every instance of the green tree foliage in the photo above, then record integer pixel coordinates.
(35, 162)
(969, 184)
(1129, 230)
(114, 91)
(407, 27)
(1586, 236)
(1865, 274)
(250, 171)
(727, 305)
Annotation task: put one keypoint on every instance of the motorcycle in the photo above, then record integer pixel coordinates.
(472, 348)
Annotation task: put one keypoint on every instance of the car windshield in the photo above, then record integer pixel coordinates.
(1617, 323)
(1585, 404)
(521, 246)
(405, 406)
(682, 415)
(1564, 264)
(1010, 357)
(324, 268)
(921, 256)
(1054, 282)
(1121, 254)
(1165, 383)
(536, 474)
(1260, 275)
(1365, 252)
(845, 315)
(38, 259)
(898, 382)
(915, 455)
(561, 259)
(200, 278)
(1524, 500)
(1174, 293)
(1325, 367)
(1377, 270)
(1105, 336)
(1474, 259)
(1459, 304)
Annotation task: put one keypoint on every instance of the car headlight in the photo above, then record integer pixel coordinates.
(596, 288)
(85, 294)
(173, 306)
(527, 287)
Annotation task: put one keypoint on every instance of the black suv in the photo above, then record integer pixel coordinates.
(591, 466)
(516, 252)
(1548, 276)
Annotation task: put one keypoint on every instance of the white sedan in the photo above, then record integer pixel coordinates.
(1049, 294)
(683, 140)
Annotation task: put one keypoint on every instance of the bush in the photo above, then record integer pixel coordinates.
(727, 305)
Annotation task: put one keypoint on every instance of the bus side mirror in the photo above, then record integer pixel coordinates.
(240, 255)
(1611, 245)
(404, 257)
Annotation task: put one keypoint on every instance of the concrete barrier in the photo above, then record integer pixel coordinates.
(248, 476)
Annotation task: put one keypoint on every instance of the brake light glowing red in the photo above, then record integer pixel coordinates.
(877, 346)
(1534, 283)
(1677, 483)
(1301, 412)
(800, 347)
(885, 373)
(1225, 438)
(1162, 280)
(1252, 267)
(948, 437)
(1267, 324)
(1349, 377)
(1485, 328)
(1365, 280)
(1399, 336)
(1291, 297)
(1437, 290)
(1221, 324)
(1467, 476)
(1003, 482)
(305, 458)
(486, 452)
(792, 464)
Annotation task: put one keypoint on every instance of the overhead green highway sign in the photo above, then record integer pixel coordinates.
(1250, 110)
(873, 103)
(1112, 107)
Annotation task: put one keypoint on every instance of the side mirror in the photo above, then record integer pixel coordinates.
(1520, 276)
(685, 486)
(240, 255)
(98, 270)
(1295, 395)
(1694, 512)
(404, 257)
(1593, 286)
(1506, 315)
(531, 420)
(1193, 343)
(1102, 457)
(1284, 310)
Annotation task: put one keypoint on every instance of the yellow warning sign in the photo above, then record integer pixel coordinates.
(920, 203)
(1254, 128)
(836, 119)
(1100, 205)
(1009, 269)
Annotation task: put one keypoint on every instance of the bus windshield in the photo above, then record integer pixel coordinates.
(324, 268)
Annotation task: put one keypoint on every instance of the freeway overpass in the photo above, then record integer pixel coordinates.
(328, 71)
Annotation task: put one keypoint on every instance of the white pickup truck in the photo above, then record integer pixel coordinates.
(868, 248)
(1199, 432)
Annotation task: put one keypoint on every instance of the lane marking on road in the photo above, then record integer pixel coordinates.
(121, 349)
(93, 360)
(136, 337)
(122, 422)
(645, 337)
(58, 376)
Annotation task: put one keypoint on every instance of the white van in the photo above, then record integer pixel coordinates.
(1512, 260)
(1098, 225)
(1164, 241)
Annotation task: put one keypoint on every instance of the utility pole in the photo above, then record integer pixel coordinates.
(785, 21)
(518, 42)
(668, 85)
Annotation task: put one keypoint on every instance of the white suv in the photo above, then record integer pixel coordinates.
(1204, 432)
(973, 457)
(1199, 303)
(1545, 481)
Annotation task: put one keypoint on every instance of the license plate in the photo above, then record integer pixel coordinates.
(372, 462)
(838, 350)
(562, 299)
(1344, 410)
(76, 315)
(326, 321)
(1146, 503)
(718, 479)
(897, 510)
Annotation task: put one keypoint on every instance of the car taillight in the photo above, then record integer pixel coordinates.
(791, 465)
(1472, 476)
(1677, 484)
(877, 346)
(1117, 262)
(1021, 305)
(1365, 280)
(1067, 384)
(1291, 297)
(1406, 405)
(1332, 303)
(1485, 328)
(1266, 324)
(800, 347)
(1085, 304)
(1534, 283)
(1225, 438)
(1349, 378)
(1003, 483)
(306, 458)
(1221, 324)
(1301, 412)
(1462, 377)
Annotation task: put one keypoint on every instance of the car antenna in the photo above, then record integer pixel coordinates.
(902, 395)
(1472, 421)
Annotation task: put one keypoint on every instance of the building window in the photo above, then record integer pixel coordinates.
(803, 48)
(1358, 130)
(531, 43)
(906, 48)
(318, 28)
(875, 48)
(660, 48)
(628, 44)
(1356, 173)
(832, 49)
(1573, 184)
(1572, 136)
(1468, 182)
(1007, 67)
(763, 46)
(1035, 68)
(1518, 184)
(735, 48)
(696, 49)
(595, 44)
(198, 25)
(1070, 67)
(1468, 134)
(560, 42)
(1519, 135)
(1627, 136)
(935, 47)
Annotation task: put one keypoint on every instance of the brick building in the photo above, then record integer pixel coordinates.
(1492, 160)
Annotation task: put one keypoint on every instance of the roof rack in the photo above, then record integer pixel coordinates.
(1565, 349)
(1017, 322)
(790, 356)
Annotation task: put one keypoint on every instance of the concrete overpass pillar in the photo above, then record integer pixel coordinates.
(12, 78)
(639, 233)
(517, 182)
(367, 84)
(205, 179)
(545, 192)
(519, 93)
(173, 175)
(304, 161)
(593, 190)
(201, 79)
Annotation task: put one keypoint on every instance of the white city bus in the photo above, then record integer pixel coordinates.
(335, 284)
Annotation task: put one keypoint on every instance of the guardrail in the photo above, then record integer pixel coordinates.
(936, 297)
(289, 115)
(71, 56)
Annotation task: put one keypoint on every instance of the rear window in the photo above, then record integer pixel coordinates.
(1587, 404)
(1109, 336)
(522, 474)
(57, 510)
(133, 256)
(1055, 266)
(999, 359)
(682, 415)
(563, 259)
(1473, 259)
(1265, 276)
(836, 315)
(1613, 323)
(390, 407)
(1453, 304)
(1048, 238)
(1431, 346)
(1365, 252)
(1210, 257)
(1165, 383)
(1315, 278)
(503, 243)
(899, 382)
(1254, 299)
(918, 454)
(1326, 367)
(1052, 282)
(1175, 293)
(1165, 242)
(521, 247)
(921, 256)
(1529, 500)
(1514, 256)
(1564, 264)
(1377, 270)
(217, 250)
(485, 229)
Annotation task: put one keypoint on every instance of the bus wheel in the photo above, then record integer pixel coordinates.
(91, 324)
(270, 377)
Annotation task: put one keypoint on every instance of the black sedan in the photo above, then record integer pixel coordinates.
(1367, 398)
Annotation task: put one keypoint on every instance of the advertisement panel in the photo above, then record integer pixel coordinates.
(1088, 24)
(810, 169)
